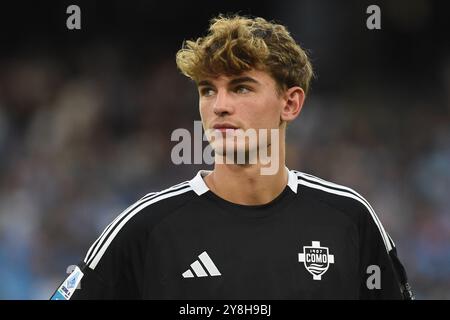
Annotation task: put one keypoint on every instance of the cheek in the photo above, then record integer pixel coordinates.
(203, 110)
(271, 113)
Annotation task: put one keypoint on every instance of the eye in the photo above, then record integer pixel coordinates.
(206, 92)
(242, 89)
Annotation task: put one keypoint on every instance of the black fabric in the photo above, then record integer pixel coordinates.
(255, 248)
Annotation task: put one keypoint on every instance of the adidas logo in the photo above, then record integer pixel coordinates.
(198, 268)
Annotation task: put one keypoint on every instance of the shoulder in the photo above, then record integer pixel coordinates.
(335, 194)
(154, 206)
(133, 223)
(344, 199)
(169, 198)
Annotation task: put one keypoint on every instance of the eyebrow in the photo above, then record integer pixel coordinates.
(232, 82)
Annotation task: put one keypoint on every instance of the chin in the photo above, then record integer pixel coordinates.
(242, 151)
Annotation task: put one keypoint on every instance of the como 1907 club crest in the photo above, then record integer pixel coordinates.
(316, 259)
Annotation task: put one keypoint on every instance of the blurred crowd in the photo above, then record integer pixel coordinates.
(81, 141)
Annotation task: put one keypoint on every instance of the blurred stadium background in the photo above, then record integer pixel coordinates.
(86, 118)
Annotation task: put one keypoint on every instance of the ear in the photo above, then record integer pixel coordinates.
(294, 98)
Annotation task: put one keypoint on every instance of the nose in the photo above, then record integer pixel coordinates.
(223, 104)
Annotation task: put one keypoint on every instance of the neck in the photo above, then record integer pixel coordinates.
(244, 184)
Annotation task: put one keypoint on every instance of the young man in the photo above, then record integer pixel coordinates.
(240, 232)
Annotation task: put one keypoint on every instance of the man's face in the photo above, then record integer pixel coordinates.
(230, 105)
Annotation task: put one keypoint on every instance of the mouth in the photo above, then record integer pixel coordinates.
(224, 127)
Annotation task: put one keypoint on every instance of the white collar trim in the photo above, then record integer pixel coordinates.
(198, 184)
(200, 187)
(292, 180)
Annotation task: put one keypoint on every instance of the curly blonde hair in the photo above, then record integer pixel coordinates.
(236, 44)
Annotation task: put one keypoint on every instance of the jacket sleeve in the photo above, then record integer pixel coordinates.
(382, 274)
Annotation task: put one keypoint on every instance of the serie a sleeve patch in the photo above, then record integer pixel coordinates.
(68, 287)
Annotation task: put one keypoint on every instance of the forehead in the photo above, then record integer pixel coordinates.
(260, 77)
